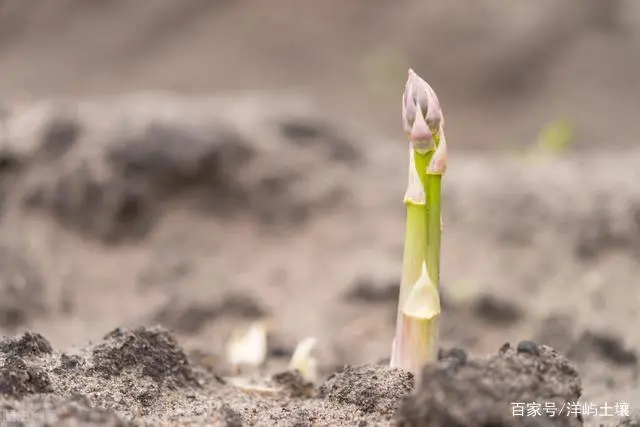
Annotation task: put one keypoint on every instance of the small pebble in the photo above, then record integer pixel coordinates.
(528, 347)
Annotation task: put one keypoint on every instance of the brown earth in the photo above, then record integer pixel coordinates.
(202, 213)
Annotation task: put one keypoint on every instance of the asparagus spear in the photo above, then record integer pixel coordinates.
(416, 338)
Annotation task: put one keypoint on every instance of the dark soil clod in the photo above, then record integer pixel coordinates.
(242, 306)
(372, 388)
(26, 345)
(112, 212)
(18, 379)
(606, 346)
(8, 162)
(59, 136)
(598, 236)
(365, 290)
(152, 351)
(494, 310)
(186, 318)
(305, 133)
(480, 392)
(191, 317)
(293, 382)
(504, 348)
(69, 362)
(528, 347)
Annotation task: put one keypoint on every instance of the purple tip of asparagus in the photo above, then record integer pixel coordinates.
(422, 115)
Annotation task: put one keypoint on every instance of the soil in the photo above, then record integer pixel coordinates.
(140, 230)
(138, 234)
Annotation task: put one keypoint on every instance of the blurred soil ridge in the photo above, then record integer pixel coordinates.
(108, 171)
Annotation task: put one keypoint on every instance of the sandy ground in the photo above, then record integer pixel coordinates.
(203, 214)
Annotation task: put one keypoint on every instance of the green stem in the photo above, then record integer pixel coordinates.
(434, 227)
(421, 163)
(415, 250)
(416, 242)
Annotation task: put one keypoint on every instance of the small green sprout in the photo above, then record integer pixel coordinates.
(556, 137)
(416, 337)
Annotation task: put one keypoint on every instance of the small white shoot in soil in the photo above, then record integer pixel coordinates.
(248, 347)
(416, 338)
(303, 360)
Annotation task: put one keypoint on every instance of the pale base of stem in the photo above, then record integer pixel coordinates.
(416, 344)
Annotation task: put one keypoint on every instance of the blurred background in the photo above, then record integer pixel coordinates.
(203, 164)
(523, 65)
